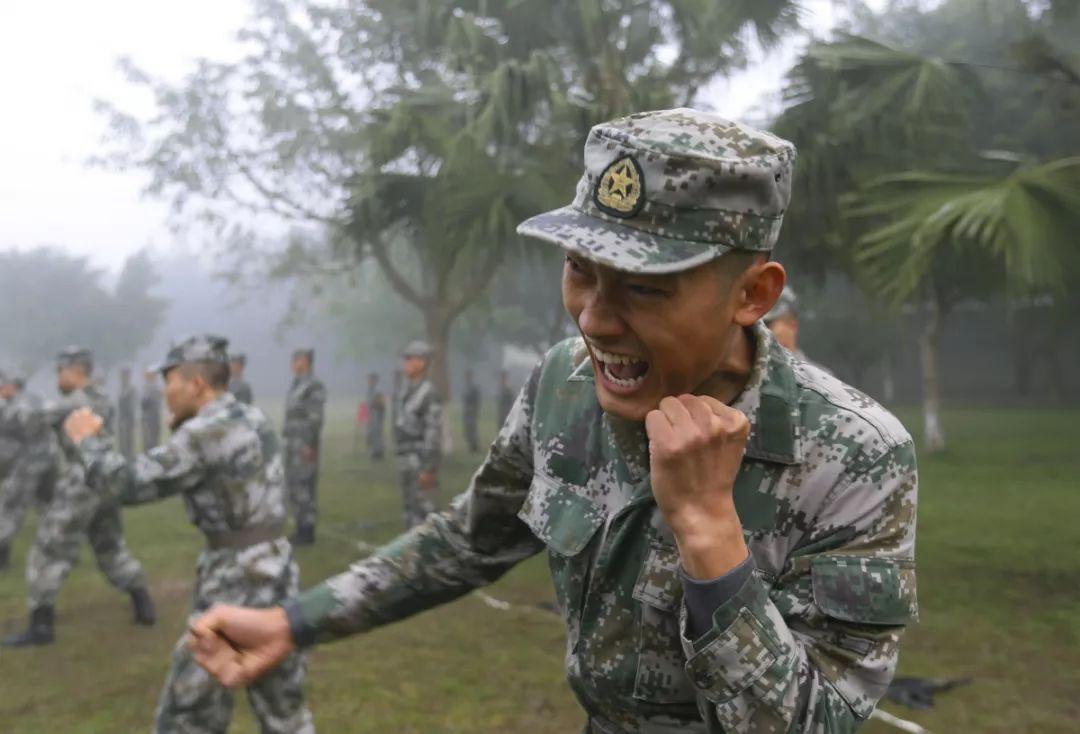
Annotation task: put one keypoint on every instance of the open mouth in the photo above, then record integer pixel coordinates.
(621, 370)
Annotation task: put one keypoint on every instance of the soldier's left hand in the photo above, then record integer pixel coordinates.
(696, 445)
(81, 424)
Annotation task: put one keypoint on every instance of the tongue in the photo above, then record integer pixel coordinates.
(628, 371)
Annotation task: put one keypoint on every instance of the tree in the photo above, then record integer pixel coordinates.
(51, 300)
(416, 134)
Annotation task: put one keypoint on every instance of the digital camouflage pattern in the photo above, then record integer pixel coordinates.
(226, 464)
(826, 495)
(32, 474)
(78, 512)
(150, 415)
(418, 416)
(665, 191)
(304, 407)
(241, 390)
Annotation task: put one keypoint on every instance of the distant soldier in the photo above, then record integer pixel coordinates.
(783, 321)
(32, 473)
(150, 411)
(125, 415)
(376, 402)
(470, 400)
(303, 424)
(238, 386)
(75, 514)
(506, 396)
(224, 459)
(417, 435)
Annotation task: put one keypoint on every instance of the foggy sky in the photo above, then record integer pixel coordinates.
(58, 56)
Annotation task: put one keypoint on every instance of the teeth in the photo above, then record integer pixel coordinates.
(620, 381)
(609, 358)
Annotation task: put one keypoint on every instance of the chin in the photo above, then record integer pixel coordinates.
(631, 409)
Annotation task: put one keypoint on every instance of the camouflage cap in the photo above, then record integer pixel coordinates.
(76, 357)
(304, 352)
(417, 348)
(667, 191)
(201, 348)
(238, 357)
(786, 305)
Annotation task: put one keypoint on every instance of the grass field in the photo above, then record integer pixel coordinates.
(999, 586)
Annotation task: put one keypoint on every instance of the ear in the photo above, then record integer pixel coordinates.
(759, 290)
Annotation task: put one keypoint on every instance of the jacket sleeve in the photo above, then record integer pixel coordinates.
(815, 650)
(469, 545)
(172, 468)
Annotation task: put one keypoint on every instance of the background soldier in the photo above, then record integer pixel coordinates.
(77, 513)
(470, 414)
(783, 321)
(225, 460)
(33, 472)
(304, 407)
(506, 396)
(238, 386)
(417, 435)
(376, 401)
(125, 415)
(150, 411)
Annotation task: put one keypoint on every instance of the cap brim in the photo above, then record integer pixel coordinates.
(618, 246)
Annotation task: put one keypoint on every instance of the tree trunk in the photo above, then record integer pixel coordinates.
(437, 326)
(929, 341)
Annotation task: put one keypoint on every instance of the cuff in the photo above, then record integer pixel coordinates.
(703, 598)
(306, 612)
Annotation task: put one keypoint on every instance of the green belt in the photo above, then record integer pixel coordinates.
(244, 537)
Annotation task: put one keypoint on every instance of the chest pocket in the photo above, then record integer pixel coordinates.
(566, 522)
(660, 676)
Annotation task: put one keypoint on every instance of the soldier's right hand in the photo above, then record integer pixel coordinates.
(238, 645)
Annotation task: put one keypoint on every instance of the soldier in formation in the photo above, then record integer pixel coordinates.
(76, 513)
(470, 413)
(224, 459)
(150, 411)
(238, 386)
(418, 414)
(30, 445)
(376, 402)
(125, 415)
(730, 530)
(304, 407)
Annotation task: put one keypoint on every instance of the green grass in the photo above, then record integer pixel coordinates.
(999, 585)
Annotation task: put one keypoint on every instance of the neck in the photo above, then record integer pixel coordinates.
(733, 372)
(208, 397)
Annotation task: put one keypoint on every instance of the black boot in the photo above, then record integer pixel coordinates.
(143, 606)
(5, 556)
(40, 631)
(304, 535)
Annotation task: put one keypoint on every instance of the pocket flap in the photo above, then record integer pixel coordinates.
(658, 583)
(560, 517)
(865, 590)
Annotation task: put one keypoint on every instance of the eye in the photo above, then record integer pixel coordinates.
(574, 265)
(646, 291)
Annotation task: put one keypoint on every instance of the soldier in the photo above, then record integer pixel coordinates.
(125, 416)
(77, 513)
(376, 401)
(471, 411)
(238, 386)
(150, 411)
(730, 531)
(303, 423)
(506, 395)
(417, 435)
(783, 322)
(33, 472)
(224, 459)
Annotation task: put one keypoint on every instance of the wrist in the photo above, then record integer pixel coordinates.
(710, 544)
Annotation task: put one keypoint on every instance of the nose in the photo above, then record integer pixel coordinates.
(599, 318)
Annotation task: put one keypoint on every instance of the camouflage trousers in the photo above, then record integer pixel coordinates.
(375, 442)
(30, 483)
(192, 702)
(472, 434)
(77, 513)
(301, 485)
(418, 502)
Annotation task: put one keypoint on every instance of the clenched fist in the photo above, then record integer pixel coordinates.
(696, 445)
(81, 424)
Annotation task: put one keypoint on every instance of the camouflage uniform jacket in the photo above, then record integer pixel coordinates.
(10, 434)
(23, 423)
(225, 461)
(242, 390)
(418, 423)
(304, 410)
(91, 396)
(826, 495)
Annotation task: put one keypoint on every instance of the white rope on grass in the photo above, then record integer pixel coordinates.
(902, 724)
